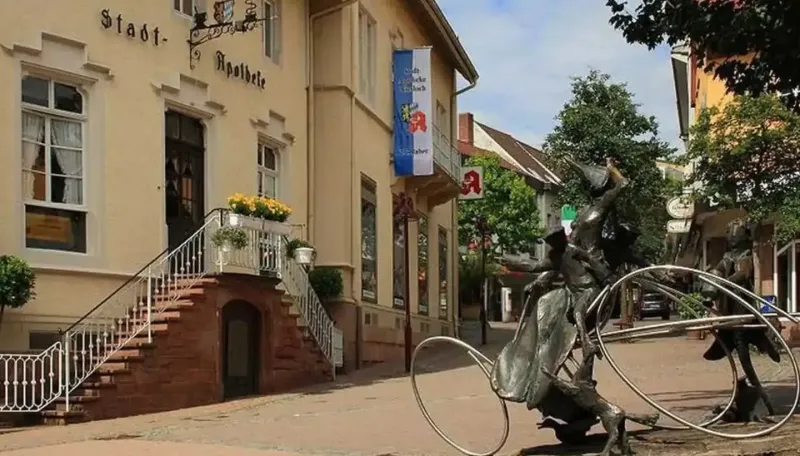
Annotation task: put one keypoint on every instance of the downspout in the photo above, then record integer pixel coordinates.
(311, 143)
(455, 255)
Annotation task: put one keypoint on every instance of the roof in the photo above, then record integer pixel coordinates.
(532, 159)
(465, 148)
(455, 51)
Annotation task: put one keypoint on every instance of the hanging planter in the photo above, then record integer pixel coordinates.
(302, 252)
(304, 255)
(228, 238)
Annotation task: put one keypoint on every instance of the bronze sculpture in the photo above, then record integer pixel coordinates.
(557, 319)
(526, 368)
(737, 266)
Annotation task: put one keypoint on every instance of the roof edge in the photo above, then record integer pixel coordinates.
(465, 65)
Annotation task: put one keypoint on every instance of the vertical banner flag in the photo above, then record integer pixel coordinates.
(413, 99)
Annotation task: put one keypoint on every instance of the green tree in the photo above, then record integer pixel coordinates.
(747, 155)
(17, 282)
(508, 206)
(765, 30)
(602, 120)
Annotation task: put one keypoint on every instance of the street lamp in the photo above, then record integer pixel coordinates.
(483, 228)
(403, 210)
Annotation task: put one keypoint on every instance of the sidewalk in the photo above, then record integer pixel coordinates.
(374, 413)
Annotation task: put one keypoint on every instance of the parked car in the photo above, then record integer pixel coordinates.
(653, 304)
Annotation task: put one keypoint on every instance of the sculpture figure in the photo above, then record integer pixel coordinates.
(525, 371)
(737, 266)
(606, 185)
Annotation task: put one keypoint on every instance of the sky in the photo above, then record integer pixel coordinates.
(527, 50)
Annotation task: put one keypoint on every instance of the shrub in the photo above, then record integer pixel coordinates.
(17, 283)
(691, 307)
(327, 282)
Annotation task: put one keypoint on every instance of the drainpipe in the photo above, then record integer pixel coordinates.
(311, 143)
(454, 255)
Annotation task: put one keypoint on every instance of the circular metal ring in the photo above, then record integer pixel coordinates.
(631, 333)
(749, 307)
(482, 362)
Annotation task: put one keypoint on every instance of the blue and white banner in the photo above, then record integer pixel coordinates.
(413, 100)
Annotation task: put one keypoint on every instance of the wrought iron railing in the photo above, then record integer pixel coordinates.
(32, 382)
(315, 318)
(446, 155)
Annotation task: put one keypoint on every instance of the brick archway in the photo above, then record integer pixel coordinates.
(242, 328)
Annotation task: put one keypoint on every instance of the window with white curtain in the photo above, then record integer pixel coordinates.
(272, 29)
(268, 171)
(53, 126)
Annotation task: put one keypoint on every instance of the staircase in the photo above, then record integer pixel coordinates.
(132, 347)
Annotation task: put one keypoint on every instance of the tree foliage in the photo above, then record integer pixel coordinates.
(17, 282)
(470, 274)
(508, 206)
(767, 31)
(602, 120)
(747, 155)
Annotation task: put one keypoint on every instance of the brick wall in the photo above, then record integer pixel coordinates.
(184, 366)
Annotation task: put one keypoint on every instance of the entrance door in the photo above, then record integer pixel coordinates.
(184, 172)
(240, 351)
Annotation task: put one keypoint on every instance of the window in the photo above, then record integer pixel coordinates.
(188, 7)
(422, 265)
(369, 242)
(272, 29)
(268, 171)
(399, 260)
(42, 340)
(442, 273)
(366, 55)
(53, 124)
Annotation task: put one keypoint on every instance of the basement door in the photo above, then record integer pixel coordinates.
(240, 349)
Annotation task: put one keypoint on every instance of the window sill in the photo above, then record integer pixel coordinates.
(57, 268)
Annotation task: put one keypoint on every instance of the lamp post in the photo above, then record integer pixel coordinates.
(403, 210)
(483, 228)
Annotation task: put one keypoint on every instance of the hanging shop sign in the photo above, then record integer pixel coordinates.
(679, 226)
(132, 30)
(241, 71)
(680, 207)
(204, 31)
(471, 183)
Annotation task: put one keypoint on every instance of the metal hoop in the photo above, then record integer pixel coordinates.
(756, 314)
(482, 362)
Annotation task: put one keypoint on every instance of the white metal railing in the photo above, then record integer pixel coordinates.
(446, 155)
(316, 319)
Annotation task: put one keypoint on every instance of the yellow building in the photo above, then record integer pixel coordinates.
(121, 138)
(778, 270)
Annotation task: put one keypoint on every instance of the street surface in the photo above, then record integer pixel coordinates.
(373, 412)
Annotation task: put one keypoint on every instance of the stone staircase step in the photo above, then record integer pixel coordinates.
(62, 418)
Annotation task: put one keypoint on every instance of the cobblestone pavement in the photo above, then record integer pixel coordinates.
(373, 412)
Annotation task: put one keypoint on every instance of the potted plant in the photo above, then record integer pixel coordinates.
(301, 251)
(229, 237)
(327, 282)
(17, 282)
(691, 307)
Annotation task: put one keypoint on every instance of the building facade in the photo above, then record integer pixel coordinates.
(778, 273)
(125, 137)
(524, 159)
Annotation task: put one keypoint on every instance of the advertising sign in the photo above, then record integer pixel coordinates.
(471, 183)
